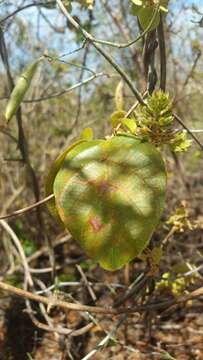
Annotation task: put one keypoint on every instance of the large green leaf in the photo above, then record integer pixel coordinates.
(110, 195)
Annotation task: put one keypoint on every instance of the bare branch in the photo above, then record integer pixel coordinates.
(105, 54)
(24, 8)
(96, 309)
(28, 208)
(188, 130)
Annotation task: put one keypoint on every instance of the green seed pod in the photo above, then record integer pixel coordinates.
(110, 195)
(20, 89)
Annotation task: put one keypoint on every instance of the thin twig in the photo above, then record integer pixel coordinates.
(28, 208)
(62, 92)
(100, 310)
(132, 42)
(105, 340)
(135, 289)
(135, 105)
(22, 142)
(188, 130)
(19, 247)
(105, 54)
(84, 61)
(54, 302)
(86, 282)
(24, 8)
(194, 65)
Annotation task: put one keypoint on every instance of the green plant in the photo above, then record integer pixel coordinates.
(110, 195)
(108, 190)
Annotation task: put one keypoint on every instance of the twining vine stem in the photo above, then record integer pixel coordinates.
(105, 54)
(111, 60)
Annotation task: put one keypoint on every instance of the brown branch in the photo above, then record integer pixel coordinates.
(96, 309)
(133, 291)
(28, 208)
(194, 65)
(86, 282)
(22, 143)
(60, 330)
(188, 130)
(105, 54)
(24, 8)
(84, 61)
(6, 132)
(54, 302)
